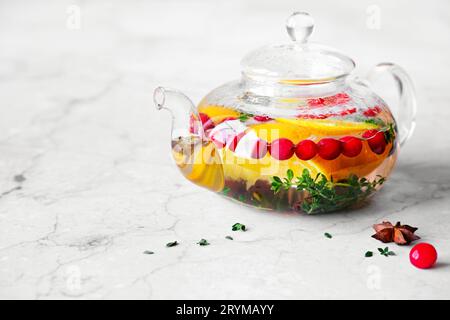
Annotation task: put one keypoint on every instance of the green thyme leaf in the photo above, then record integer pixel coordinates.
(375, 121)
(229, 238)
(390, 133)
(203, 242)
(148, 252)
(290, 174)
(329, 236)
(368, 254)
(323, 194)
(385, 252)
(226, 190)
(245, 116)
(172, 244)
(238, 226)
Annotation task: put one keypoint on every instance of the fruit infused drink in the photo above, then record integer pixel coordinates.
(318, 161)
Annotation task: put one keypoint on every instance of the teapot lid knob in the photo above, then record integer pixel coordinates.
(299, 26)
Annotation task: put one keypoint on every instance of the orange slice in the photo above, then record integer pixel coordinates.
(327, 127)
(218, 113)
(270, 131)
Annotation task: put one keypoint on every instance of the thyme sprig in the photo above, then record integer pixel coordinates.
(324, 194)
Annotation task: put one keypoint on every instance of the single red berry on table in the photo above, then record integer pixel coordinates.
(423, 255)
(376, 140)
(281, 149)
(329, 148)
(351, 146)
(306, 150)
(262, 118)
(259, 149)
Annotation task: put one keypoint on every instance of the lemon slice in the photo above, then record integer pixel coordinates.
(250, 170)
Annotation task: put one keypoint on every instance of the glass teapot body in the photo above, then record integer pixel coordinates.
(314, 150)
(309, 144)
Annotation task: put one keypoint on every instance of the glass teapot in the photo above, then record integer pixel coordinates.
(295, 132)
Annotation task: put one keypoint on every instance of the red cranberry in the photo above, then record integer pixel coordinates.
(207, 123)
(423, 255)
(281, 149)
(351, 146)
(262, 118)
(259, 149)
(329, 148)
(306, 150)
(235, 140)
(376, 140)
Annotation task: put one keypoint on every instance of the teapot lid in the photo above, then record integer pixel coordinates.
(297, 62)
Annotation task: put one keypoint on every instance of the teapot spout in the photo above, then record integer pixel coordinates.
(185, 118)
(197, 159)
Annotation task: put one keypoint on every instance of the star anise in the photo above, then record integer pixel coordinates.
(400, 234)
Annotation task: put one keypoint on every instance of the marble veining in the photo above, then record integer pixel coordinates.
(87, 183)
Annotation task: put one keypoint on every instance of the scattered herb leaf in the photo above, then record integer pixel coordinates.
(385, 252)
(172, 244)
(148, 252)
(368, 254)
(203, 242)
(245, 116)
(238, 226)
(326, 195)
(229, 238)
(329, 236)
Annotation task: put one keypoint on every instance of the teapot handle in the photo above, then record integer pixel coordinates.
(407, 106)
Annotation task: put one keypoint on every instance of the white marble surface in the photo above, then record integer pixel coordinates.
(77, 122)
